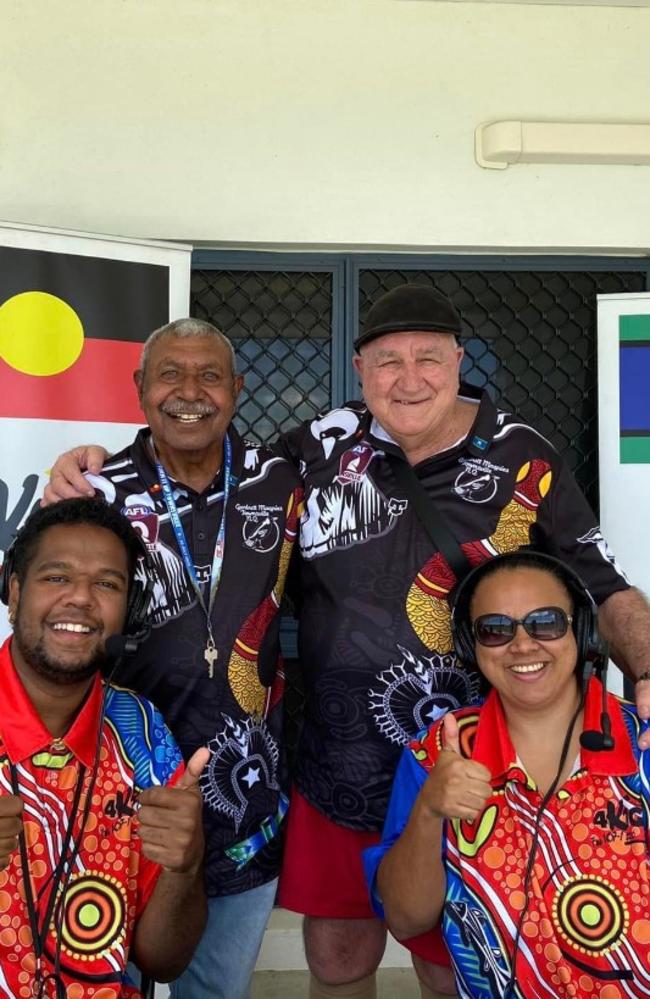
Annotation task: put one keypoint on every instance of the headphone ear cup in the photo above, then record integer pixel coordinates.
(461, 627)
(591, 647)
(583, 632)
(461, 633)
(138, 607)
(140, 593)
(597, 647)
(465, 649)
(6, 572)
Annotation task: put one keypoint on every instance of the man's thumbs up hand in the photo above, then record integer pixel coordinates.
(11, 823)
(170, 820)
(456, 788)
(193, 770)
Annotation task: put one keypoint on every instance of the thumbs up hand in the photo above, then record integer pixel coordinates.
(11, 822)
(451, 740)
(456, 788)
(170, 820)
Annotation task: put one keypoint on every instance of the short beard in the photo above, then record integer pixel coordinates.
(52, 669)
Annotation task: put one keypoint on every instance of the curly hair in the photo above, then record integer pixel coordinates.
(94, 511)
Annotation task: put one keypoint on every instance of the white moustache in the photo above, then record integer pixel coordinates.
(188, 410)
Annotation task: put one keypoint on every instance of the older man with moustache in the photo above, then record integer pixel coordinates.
(375, 640)
(219, 516)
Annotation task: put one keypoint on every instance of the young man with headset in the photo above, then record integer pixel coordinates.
(525, 822)
(100, 825)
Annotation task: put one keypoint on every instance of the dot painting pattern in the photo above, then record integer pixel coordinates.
(111, 879)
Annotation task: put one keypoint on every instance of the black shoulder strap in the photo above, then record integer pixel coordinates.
(430, 518)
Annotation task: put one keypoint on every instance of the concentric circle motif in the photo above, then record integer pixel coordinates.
(95, 915)
(590, 914)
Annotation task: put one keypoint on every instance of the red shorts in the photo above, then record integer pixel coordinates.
(322, 874)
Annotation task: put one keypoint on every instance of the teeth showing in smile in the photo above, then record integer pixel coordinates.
(81, 629)
(530, 668)
(188, 417)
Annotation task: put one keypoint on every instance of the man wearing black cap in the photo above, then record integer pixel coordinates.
(375, 639)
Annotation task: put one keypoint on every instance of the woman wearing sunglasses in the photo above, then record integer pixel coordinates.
(525, 822)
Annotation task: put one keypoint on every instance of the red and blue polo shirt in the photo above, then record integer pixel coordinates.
(111, 881)
(584, 927)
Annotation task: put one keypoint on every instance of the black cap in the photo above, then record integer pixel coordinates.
(408, 308)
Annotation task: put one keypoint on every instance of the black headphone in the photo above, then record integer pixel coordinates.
(592, 650)
(139, 598)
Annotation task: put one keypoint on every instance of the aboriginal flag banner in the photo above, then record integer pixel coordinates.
(71, 331)
(74, 312)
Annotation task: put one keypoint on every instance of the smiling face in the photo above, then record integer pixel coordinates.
(528, 674)
(188, 393)
(72, 598)
(410, 385)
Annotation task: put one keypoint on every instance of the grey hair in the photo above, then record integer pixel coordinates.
(183, 328)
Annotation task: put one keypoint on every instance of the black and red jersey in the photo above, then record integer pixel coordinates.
(375, 640)
(238, 712)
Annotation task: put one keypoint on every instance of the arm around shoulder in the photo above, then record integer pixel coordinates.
(66, 477)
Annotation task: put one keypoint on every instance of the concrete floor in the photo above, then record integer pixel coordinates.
(393, 983)
(281, 970)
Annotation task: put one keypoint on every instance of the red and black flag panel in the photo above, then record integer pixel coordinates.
(71, 333)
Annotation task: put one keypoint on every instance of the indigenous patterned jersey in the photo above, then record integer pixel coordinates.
(111, 881)
(375, 639)
(238, 711)
(585, 927)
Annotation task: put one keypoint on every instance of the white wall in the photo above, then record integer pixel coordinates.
(317, 122)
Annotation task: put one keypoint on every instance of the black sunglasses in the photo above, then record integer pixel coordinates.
(544, 625)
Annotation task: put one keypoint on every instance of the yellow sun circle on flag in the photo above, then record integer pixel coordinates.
(40, 334)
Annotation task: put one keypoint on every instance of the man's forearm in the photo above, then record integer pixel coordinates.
(170, 927)
(624, 621)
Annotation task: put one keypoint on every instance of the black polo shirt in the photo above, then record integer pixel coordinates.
(374, 638)
(237, 713)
